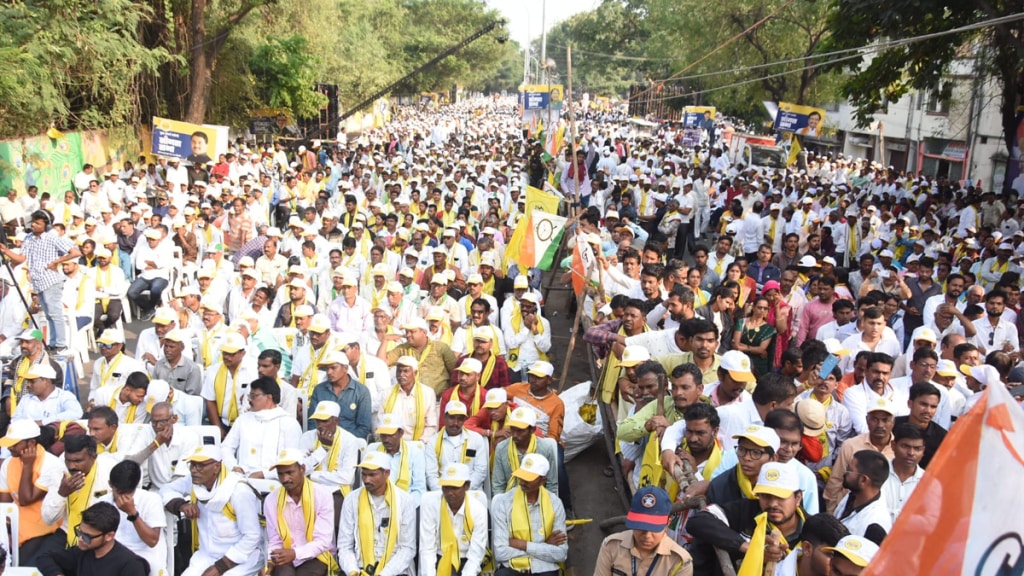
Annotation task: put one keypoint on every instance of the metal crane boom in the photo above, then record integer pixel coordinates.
(318, 131)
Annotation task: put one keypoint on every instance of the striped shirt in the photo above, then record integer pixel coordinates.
(40, 251)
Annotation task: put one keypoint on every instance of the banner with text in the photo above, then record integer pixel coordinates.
(541, 96)
(693, 116)
(800, 120)
(192, 142)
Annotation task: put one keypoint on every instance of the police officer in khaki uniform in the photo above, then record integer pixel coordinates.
(643, 549)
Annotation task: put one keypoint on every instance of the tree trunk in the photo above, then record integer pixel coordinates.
(199, 66)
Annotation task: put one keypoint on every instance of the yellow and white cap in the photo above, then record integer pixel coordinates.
(454, 475)
(738, 365)
(522, 418)
(777, 479)
(634, 355)
(856, 549)
(456, 408)
(495, 397)
(232, 342)
(111, 336)
(325, 410)
(289, 456)
(760, 435)
(375, 461)
(319, 324)
(531, 467)
(389, 424)
(205, 454)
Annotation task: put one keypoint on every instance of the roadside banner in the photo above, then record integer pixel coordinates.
(800, 120)
(693, 116)
(197, 143)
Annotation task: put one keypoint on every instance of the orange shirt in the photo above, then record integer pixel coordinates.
(550, 406)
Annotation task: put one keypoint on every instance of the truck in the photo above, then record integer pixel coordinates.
(755, 151)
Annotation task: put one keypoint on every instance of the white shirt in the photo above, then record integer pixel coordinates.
(858, 397)
(657, 342)
(151, 511)
(736, 417)
(256, 439)
(991, 338)
(246, 374)
(103, 376)
(167, 462)
(349, 557)
(405, 409)
(895, 492)
(60, 405)
(316, 462)
(857, 523)
(110, 396)
(477, 454)
(472, 547)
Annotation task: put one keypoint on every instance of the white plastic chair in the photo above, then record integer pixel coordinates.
(9, 513)
(209, 433)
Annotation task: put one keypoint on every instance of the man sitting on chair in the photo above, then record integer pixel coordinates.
(226, 533)
(25, 479)
(453, 526)
(299, 521)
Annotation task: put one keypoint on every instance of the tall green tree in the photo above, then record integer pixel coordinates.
(997, 51)
(71, 63)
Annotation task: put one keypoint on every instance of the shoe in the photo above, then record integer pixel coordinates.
(148, 315)
(61, 352)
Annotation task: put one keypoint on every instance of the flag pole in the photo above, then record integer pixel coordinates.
(575, 210)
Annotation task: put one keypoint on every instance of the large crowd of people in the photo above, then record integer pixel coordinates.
(346, 375)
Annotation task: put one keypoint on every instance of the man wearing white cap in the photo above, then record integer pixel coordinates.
(434, 360)
(349, 312)
(528, 335)
(226, 383)
(991, 270)
(454, 444)
(259, 434)
(300, 533)
(30, 344)
(774, 505)
(479, 314)
(529, 522)
(408, 461)
(149, 347)
(379, 523)
(881, 417)
(210, 335)
(453, 525)
(115, 365)
(42, 401)
(475, 285)
(271, 266)
(353, 398)
(175, 365)
(332, 453)
(306, 370)
(110, 287)
(522, 441)
(225, 513)
(851, 555)
(153, 262)
(40, 472)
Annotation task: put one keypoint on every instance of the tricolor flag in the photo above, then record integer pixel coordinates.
(535, 240)
(965, 516)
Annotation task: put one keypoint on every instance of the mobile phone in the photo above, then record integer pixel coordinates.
(829, 364)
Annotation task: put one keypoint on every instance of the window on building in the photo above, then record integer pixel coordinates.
(937, 100)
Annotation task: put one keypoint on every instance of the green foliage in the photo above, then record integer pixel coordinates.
(896, 71)
(76, 64)
(285, 75)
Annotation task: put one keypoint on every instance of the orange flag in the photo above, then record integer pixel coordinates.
(964, 516)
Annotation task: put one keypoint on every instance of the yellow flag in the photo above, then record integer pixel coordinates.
(537, 199)
(650, 466)
(794, 151)
(515, 243)
(753, 561)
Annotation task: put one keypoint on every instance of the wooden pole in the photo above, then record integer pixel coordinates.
(574, 213)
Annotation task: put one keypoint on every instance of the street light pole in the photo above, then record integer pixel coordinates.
(543, 41)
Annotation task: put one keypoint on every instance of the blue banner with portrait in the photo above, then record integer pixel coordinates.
(799, 120)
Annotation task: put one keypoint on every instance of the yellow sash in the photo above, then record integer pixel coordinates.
(205, 350)
(439, 443)
(332, 457)
(513, 457)
(522, 529)
(111, 366)
(101, 449)
(744, 482)
(220, 382)
(451, 560)
(308, 516)
(78, 501)
(311, 370)
(488, 287)
(129, 418)
(368, 525)
(420, 409)
(80, 300)
(228, 510)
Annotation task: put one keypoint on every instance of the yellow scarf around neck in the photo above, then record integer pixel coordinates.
(389, 405)
(308, 516)
(513, 457)
(368, 525)
(78, 501)
(220, 382)
(451, 560)
(522, 529)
